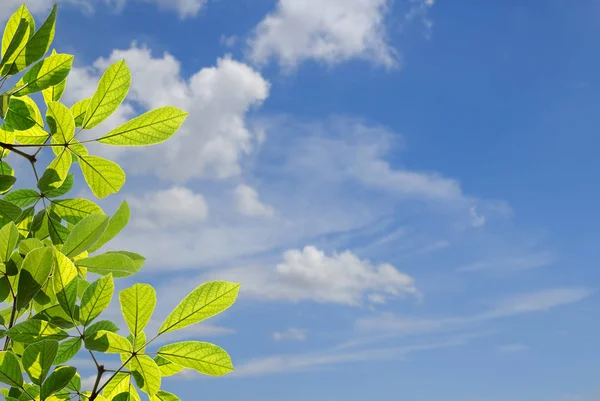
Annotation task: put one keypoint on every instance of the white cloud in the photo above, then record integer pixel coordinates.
(215, 136)
(477, 220)
(291, 334)
(173, 207)
(524, 261)
(185, 8)
(330, 32)
(248, 204)
(537, 301)
(278, 364)
(310, 274)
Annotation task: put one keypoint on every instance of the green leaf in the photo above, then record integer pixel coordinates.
(58, 232)
(9, 235)
(34, 330)
(7, 135)
(35, 48)
(35, 271)
(137, 305)
(167, 368)
(10, 370)
(146, 374)
(164, 396)
(108, 342)
(101, 325)
(23, 197)
(78, 110)
(63, 189)
(61, 122)
(58, 380)
(150, 128)
(85, 234)
(96, 298)
(206, 301)
(25, 118)
(73, 210)
(38, 358)
(112, 90)
(75, 383)
(65, 283)
(29, 244)
(115, 263)
(48, 72)
(6, 183)
(55, 315)
(57, 172)
(120, 384)
(8, 212)
(103, 176)
(19, 29)
(117, 222)
(67, 350)
(205, 358)
(4, 288)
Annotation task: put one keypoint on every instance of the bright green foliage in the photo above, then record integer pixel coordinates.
(204, 357)
(137, 305)
(55, 282)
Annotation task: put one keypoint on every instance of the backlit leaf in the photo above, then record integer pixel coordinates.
(137, 304)
(112, 90)
(38, 358)
(61, 123)
(164, 396)
(63, 189)
(73, 210)
(96, 298)
(48, 72)
(167, 368)
(58, 380)
(78, 111)
(65, 283)
(67, 350)
(117, 222)
(34, 330)
(85, 234)
(10, 371)
(146, 374)
(9, 235)
(57, 172)
(206, 301)
(35, 271)
(108, 342)
(150, 128)
(101, 325)
(115, 263)
(103, 176)
(205, 358)
(23, 197)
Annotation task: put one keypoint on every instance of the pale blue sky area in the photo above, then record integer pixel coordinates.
(407, 190)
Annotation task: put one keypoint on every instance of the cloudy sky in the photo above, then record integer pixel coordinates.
(407, 190)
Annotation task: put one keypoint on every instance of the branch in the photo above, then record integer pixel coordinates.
(31, 158)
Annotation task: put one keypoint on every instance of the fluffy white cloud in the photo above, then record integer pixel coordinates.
(311, 275)
(291, 334)
(329, 31)
(248, 204)
(215, 136)
(173, 207)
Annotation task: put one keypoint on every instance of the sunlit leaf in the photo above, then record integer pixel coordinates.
(48, 72)
(137, 305)
(103, 176)
(205, 358)
(85, 234)
(108, 342)
(115, 263)
(38, 358)
(67, 350)
(35, 271)
(34, 330)
(146, 374)
(65, 283)
(167, 368)
(206, 301)
(78, 110)
(58, 380)
(23, 197)
(101, 325)
(117, 222)
(9, 235)
(96, 298)
(164, 396)
(112, 90)
(8, 212)
(29, 244)
(10, 371)
(61, 122)
(55, 315)
(57, 172)
(150, 128)
(63, 189)
(73, 210)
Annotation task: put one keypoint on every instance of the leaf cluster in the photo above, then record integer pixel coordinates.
(54, 284)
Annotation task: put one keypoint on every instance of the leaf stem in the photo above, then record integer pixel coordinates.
(11, 322)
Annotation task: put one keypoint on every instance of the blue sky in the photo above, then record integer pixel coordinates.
(407, 189)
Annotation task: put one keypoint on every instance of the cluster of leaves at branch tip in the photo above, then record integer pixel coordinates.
(53, 285)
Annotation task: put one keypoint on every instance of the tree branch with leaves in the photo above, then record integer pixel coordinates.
(49, 242)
